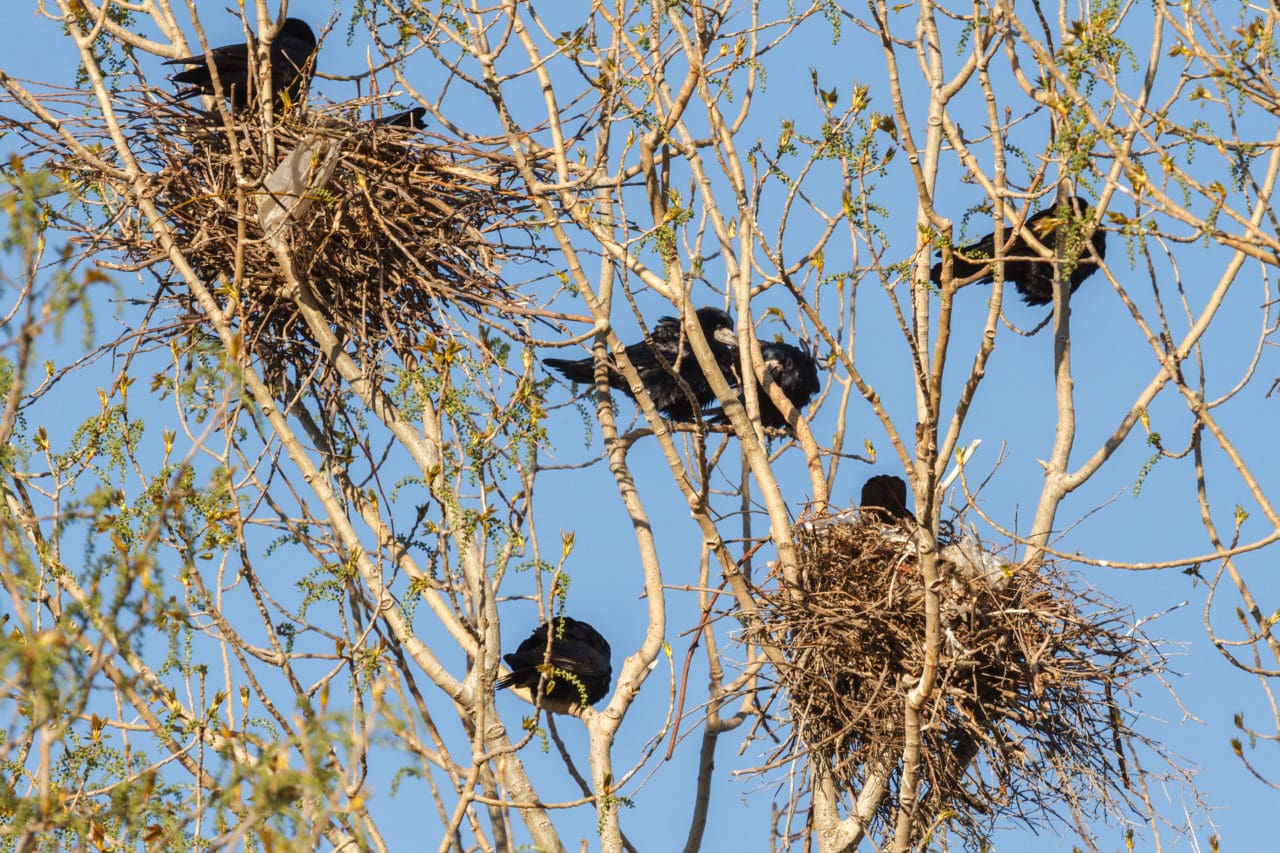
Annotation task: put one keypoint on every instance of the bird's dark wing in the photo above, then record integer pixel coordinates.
(227, 56)
(669, 341)
(1029, 273)
(584, 654)
(796, 373)
(661, 385)
(291, 57)
(525, 659)
(968, 261)
(589, 637)
(232, 62)
(660, 359)
(657, 361)
(412, 119)
(577, 650)
(1034, 278)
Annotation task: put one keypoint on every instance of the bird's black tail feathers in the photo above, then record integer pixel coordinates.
(412, 119)
(581, 371)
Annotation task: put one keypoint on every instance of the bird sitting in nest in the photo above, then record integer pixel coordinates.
(886, 496)
(580, 667)
(292, 64)
(1024, 267)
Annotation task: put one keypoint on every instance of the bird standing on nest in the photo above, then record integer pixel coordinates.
(580, 666)
(1059, 229)
(667, 344)
(292, 63)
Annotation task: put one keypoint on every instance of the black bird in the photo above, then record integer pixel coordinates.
(580, 663)
(795, 371)
(886, 495)
(412, 119)
(291, 67)
(668, 341)
(1023, 266)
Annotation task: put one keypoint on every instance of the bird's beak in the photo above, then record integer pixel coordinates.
(727, 337)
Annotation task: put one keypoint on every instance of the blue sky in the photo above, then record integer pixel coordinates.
(1013, 415)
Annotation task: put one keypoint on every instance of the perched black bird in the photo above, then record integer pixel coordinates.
(668, 341)
(887, 496)
(412, 119)
(795, 371)
(291, 68)
(579, 659)
(1023, 266)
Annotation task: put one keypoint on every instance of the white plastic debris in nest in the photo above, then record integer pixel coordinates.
(969, 558)
(844, 516)
(292, 187)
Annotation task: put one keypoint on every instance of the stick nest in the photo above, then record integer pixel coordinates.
(395, 233)
(1025, 717)
(401, 230)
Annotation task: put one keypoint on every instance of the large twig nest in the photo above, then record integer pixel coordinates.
(386, 227)
(1033, 675)
(397, 234)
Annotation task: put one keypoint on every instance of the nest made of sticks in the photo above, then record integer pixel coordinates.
(396, 234)
(1026, 717)
(403, 229)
